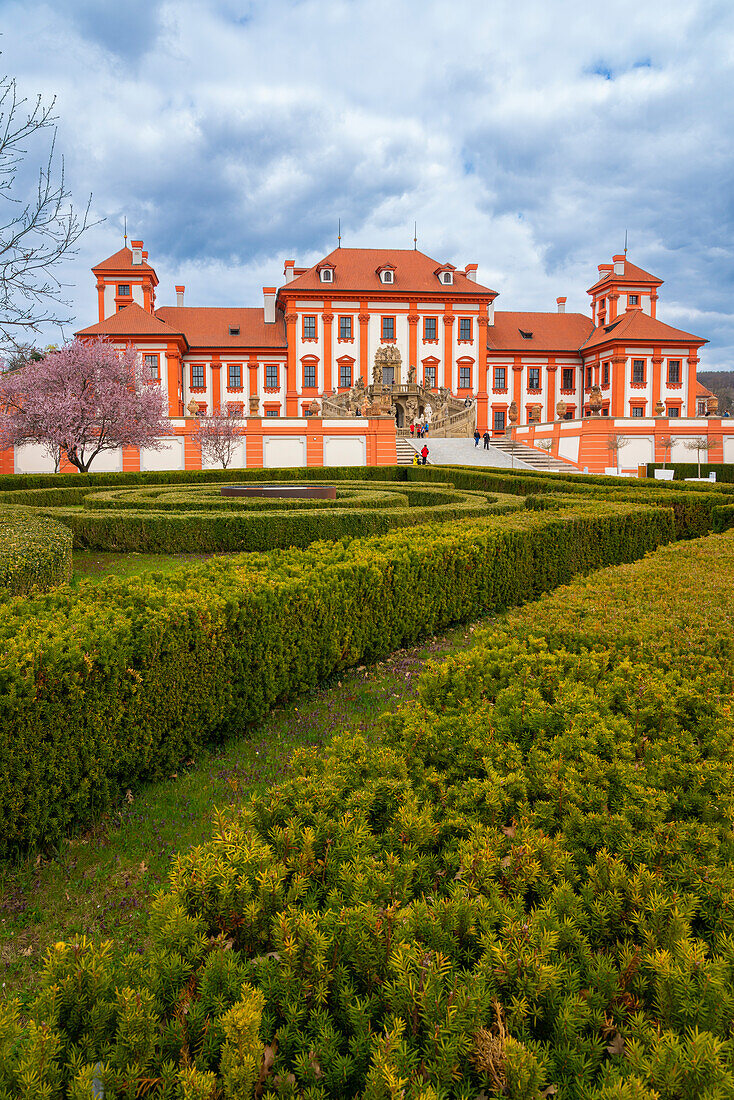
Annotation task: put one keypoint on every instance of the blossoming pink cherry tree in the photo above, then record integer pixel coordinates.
(80, 400)
(218, 435)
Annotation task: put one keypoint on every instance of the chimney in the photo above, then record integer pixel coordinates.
(145, 257)
(618, 265)
(471, 272)
(137, 247)
(603, 268)
(269, 304)
(561, 303)
(289, 270)
(180, 295)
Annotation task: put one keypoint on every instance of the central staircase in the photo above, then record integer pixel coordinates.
(405, 451)
(531, 456)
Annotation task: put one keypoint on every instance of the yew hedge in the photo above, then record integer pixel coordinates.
(520, 886)
(35, 553)
(115, 681)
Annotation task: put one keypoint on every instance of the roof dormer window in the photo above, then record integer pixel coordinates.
(445, 274)
(327, 275)
(234, 330)
(386, 273)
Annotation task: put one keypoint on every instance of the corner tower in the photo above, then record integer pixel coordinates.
(123, 278)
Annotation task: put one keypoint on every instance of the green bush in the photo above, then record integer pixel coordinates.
(724, 470)
(723, 517)
(519, 885)
(35, 553)
(111, 682)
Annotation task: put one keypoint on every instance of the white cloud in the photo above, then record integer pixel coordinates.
(524, 136)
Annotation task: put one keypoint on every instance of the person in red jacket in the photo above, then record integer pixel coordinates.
(424, 453)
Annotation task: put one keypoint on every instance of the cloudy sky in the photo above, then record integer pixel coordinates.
(522, 135)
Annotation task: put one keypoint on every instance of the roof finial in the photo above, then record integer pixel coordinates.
(126, 231)
(340, 233)
(415, 235)
(625, 242)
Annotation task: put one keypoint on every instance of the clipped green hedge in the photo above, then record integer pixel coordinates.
(723, 517)
(520, 885)
(112, 682)
(724, 470)
(35, 553)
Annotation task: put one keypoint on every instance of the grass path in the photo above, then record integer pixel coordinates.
(99, 883)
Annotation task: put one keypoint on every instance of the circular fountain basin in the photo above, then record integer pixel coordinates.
(278, 489)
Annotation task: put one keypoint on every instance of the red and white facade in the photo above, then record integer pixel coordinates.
(319, 332)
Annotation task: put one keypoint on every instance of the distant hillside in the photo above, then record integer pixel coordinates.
(720, 382)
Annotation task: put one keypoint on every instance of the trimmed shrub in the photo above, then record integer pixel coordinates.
(122, 680)
(723, 517)
(520, 885)
(724, 470)
(35, 553)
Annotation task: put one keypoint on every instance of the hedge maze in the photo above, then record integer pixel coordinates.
(521, 886)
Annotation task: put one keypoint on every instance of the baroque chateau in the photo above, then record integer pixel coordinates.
(429, 332)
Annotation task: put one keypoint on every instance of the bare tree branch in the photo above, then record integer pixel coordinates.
(37, 231)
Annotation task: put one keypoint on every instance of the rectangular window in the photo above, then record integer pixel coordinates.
(499, 420)
(634, 299)
(430, 377)
(271, 375)
(464, 378)
(309, 375)
(197, 376)
(309, 328)
(534, 378)
(272, 412)
(465, 328)
(345, 375)
(150, 362)
(345, 328)
(638, 371)
(605, 374)
(123, 290)
(234, 376)
(674, 370)
(429, 328)
(674, 411)
(388, 328)
(500, 379)
(637, 410)
(568, 378)
(588, 378)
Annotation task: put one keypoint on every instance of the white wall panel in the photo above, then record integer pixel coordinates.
(342, 450)
(284, 450)
(170, 457)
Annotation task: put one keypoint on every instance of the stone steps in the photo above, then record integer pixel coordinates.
(531, 456)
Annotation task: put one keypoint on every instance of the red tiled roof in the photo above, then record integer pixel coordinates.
(208, 326)
(355, 270)
(122, 261)
(133, 320)
(632, 274)
(701, 390)
(634, 325)
(550, 332)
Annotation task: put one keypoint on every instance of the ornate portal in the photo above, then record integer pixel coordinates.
(387, 366)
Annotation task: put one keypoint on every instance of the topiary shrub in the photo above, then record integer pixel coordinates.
(35, 553)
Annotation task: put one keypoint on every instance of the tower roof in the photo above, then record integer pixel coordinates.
(637, 327)
(123, 261)
(633, 275)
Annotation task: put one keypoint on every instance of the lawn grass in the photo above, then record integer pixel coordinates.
(99, 884)
(96, 564)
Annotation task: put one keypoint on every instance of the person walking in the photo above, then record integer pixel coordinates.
(412, 429)
(485, 437)
(424, 453)
(477, 437)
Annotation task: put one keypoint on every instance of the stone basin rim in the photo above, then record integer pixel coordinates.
(280, 489)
